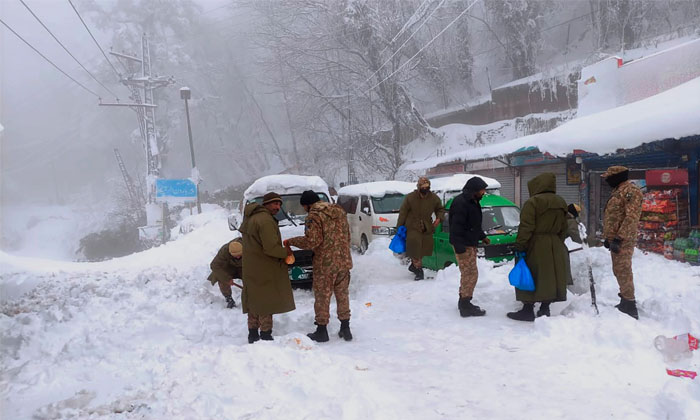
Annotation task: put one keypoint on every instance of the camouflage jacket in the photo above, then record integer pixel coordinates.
(622, 213)
(327, 233)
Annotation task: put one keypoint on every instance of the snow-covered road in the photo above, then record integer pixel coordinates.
(146, 336)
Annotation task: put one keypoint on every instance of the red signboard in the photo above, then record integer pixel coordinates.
(666, 177)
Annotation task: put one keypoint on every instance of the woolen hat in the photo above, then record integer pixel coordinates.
(574, 209)
(308, 197)
(271, 197)
(235, 248)
(423, 182)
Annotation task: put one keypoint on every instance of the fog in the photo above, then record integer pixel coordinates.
(276, 85)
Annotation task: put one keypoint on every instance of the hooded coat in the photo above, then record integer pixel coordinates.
(541, 235)
(416, 214)
(266, 286)
(465, 217)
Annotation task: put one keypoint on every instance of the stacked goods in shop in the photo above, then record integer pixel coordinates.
(659, 221)
(692, 253)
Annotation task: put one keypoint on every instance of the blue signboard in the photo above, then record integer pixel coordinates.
(176, 190)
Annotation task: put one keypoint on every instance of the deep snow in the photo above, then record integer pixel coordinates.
(146, 336)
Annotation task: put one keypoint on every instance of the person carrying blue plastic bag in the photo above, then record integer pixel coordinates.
(520, 276)
(398, 242)
(541, 235)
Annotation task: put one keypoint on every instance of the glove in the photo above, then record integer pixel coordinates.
(286, 243)
(616, 245)
(606, 244)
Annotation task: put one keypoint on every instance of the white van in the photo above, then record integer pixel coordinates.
(292, 217)
(373, 209)
(451, 186)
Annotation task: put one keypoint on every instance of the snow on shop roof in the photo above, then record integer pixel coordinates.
(456, 182)
(674, 113)
(286, 184)
(378, 189)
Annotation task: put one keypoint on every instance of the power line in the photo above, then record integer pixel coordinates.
(44, 57)
(66, 49)
(406, 41)
(424, 47)
(93, 38)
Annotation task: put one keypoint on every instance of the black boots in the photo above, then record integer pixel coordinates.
(411, 268)
(266, 335)
(628, 307)
(230, 303)
(544, 310)
(321, 333)
(467, 308)
(527, 313)
(253, 335)
(344, 332)
(419, 274)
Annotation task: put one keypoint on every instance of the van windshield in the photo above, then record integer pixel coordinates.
(505, 217)
(290, 204)
(390, 203)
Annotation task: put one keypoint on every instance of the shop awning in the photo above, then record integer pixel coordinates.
(674, 113)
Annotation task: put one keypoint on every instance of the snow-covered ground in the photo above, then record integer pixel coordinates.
(146, 336)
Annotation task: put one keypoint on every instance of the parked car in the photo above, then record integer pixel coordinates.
(291, 218)
(373, 209)
(448, 187)
(501, 218)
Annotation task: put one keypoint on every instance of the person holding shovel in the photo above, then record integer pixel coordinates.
(226, 266)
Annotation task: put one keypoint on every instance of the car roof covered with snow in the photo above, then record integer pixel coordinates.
(285, 184)
(378, 189)
(456, 182)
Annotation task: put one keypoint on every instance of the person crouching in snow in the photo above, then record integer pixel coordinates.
(541, 235)
(327, 234)
(226, 266)
(266, 286)
(465, 234)
(416, 214)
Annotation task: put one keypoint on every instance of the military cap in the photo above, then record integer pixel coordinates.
(613, 170)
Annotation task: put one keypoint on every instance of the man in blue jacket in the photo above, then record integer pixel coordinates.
(465, 234)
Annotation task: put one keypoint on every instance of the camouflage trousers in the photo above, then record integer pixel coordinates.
(622, 268)
(326, 284)
(264, 322)
(225, 288)
(468, 271)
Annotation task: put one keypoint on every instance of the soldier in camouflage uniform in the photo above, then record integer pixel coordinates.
(620, 222)
(226, 266)
(327, 233)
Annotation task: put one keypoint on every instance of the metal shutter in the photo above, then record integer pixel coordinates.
(570, 193)
(502, 175)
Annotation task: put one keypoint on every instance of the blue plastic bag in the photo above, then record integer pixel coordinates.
(398, 242)
(520, 276)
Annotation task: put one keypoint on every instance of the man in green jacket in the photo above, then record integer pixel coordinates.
(416, 214)
(266, 286)
(541, 235)
(226, 266)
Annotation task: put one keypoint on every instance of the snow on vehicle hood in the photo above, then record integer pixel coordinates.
(285, 184)
(378, 189)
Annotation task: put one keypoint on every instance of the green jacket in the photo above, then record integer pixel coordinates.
(266, 286)
(416, 214)
(224, 267)
(541, 235)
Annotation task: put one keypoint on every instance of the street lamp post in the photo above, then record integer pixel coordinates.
(185, 94)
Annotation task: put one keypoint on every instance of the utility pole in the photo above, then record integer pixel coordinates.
(185, 94)
(142, 89)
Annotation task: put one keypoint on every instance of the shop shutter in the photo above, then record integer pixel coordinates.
(502, 175)
(570, 193)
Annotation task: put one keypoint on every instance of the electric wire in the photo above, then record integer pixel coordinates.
(45, 58)
(93, 38)
(406, 41)
(424, 47)
(66, 49)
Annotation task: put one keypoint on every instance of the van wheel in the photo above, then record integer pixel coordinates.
(363, 244)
